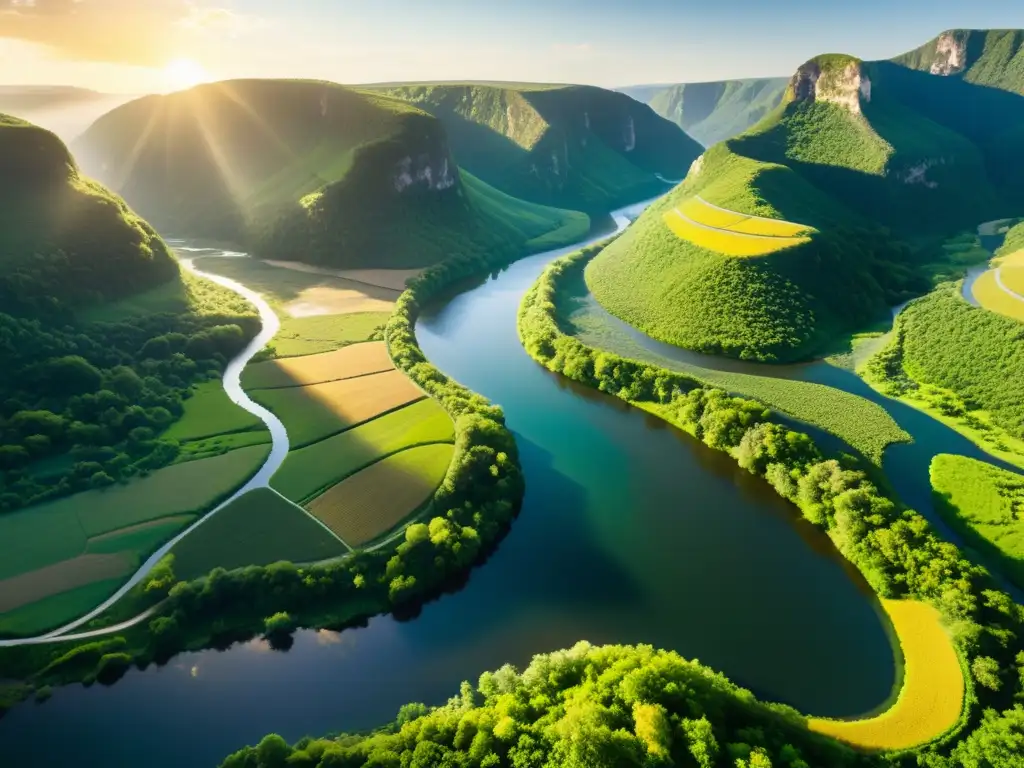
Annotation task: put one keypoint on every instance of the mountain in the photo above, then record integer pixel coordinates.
(64, 110)
(63, 237)
(336, 175)
(991, 57)
(713, 111)
(859, 159)
(570, 146)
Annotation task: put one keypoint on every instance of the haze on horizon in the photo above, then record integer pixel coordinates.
(126, 46)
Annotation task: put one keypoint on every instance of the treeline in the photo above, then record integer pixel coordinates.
(976, 356)
(587, 707)
(82, 405)
(895, 548)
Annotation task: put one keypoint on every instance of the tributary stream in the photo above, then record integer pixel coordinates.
(630, 532)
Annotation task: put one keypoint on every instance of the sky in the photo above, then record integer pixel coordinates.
(142, 46)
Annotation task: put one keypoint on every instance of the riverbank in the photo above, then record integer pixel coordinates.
(788, 460)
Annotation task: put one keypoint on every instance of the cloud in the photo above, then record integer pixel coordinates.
(139, 32)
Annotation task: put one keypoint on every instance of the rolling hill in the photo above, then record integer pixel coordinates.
(304, 169)
(990, 57)
(866, 156)
(714, 111)
(63, 237)
(569, 146)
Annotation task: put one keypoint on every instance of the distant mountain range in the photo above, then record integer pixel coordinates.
(713, 111)
(65, 110)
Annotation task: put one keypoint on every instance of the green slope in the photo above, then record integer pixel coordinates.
(990, 57)
(63, 237)
(575, 147)
(855, 151)
(304, 168)
(714, 111)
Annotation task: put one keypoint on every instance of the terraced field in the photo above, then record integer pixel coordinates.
(730, 232)
(374, 500)
(316, 411)
(932, 696)
(345, 363)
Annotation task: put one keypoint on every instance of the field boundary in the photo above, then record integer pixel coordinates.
(746, 235)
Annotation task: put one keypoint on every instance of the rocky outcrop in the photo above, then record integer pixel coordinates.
(846, 85)
(950, 55)
(427, 171)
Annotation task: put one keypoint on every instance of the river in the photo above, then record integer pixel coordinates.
(630, 532)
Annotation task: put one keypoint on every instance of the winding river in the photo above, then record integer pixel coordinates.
(630, 532)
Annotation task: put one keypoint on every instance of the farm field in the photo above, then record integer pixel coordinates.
(394, 279)
(217, 445)
(1012, 273)
(316, 411)
(73, 544)
(986, 505)
(209, 411)
(308, 471)
(259, 528)
(730, 232)
(993, 298)
(301, 294)
(932, 697)
(323, 333)
(376, 499)
(345, 363)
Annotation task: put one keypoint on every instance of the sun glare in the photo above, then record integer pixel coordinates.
(181, 74)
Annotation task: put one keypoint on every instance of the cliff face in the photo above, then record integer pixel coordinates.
(840, 81)
(950, 55)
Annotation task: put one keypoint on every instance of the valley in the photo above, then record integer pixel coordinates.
(431, 416)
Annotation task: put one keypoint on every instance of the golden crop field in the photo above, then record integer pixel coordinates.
(371, 502)
(932, 697)
(725, 241)
(345, 363)
(993, 298)
(61, 577)
(1013, 278)
(317, 411)
(702, 212)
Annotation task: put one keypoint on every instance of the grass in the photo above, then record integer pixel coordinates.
(932, 695)
(31, 587)
(986, 505)
(310, 470)
(316, 411)
(345, 363)
(218, 445)
(209, 411)
(324, 333)
(143, 538)
(259, 528)
(993, 298)
(54, 611)
(48, 533)
(368, 504)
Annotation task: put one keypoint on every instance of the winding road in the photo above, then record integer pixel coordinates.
(233, 387)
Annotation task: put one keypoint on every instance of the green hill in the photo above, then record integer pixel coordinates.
(714, 111)
(990, 57)
(569, 146)
(63, 237)
(303, 168)
(866, 154)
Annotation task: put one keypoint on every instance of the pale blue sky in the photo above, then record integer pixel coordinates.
(126, 45)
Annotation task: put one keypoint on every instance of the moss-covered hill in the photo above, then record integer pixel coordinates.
(305, 169)
(992, 57)
(65, 239)
(570, 146)
(714, 111)
(868, 154)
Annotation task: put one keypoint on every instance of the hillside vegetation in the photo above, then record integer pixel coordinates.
(714, 111)
(304, 168)
(874, 156)
(575, 147)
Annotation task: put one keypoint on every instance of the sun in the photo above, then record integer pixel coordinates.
(182, 74)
